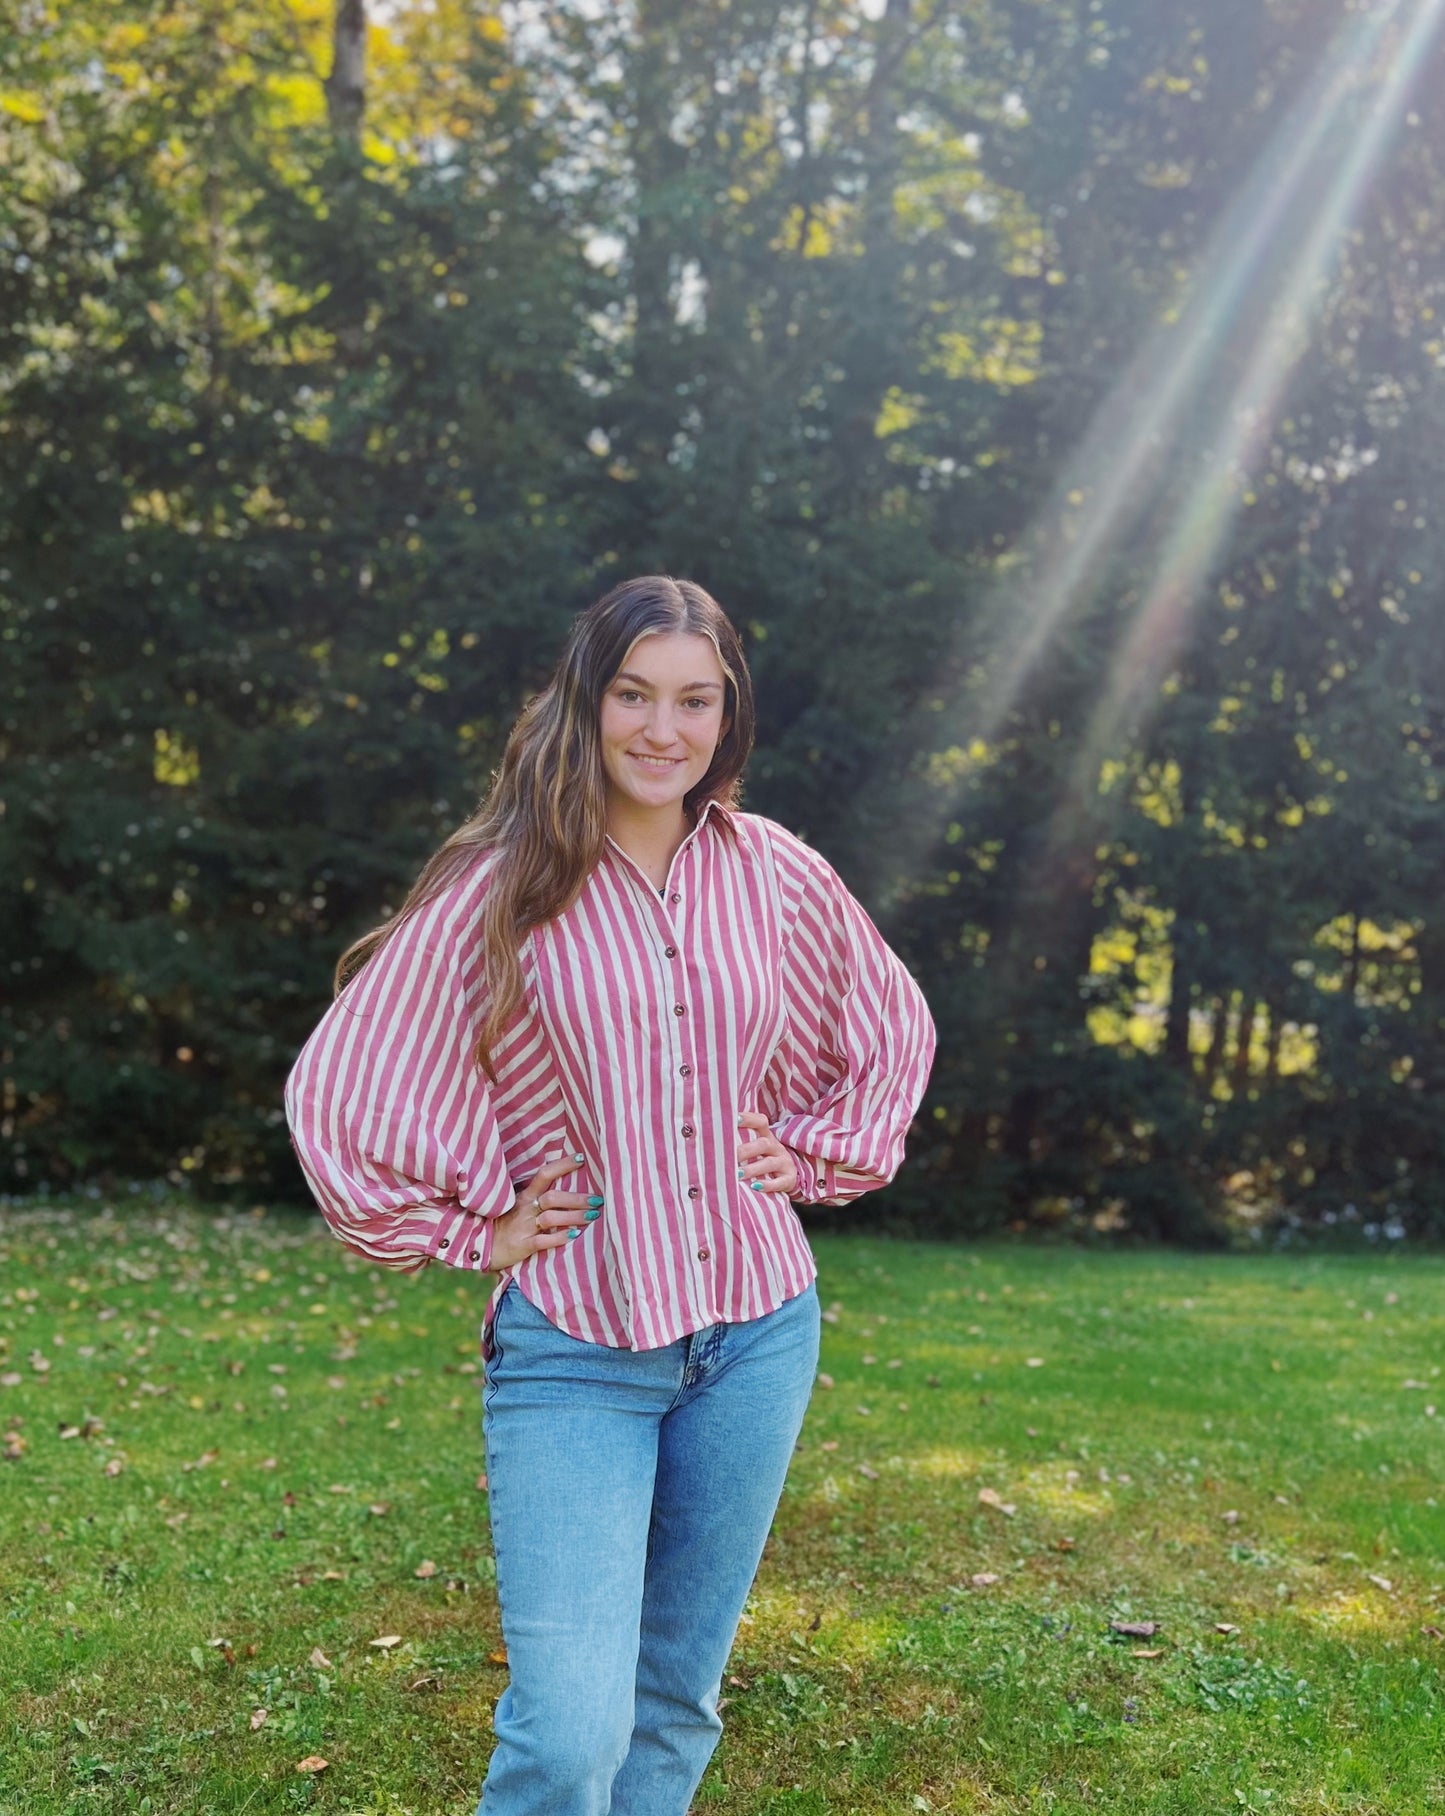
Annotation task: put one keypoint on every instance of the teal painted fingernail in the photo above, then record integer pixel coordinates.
(592, 1216)
(578, 1159)
(572, 1235)
(755, 1184)
(741, 1174)
(596, 1200)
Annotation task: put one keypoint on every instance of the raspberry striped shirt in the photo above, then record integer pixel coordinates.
(753, 981)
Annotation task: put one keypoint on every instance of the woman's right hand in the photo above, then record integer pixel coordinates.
(542, 1217)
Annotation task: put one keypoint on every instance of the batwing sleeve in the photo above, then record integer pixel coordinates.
(851, 1070)
(390, 1115)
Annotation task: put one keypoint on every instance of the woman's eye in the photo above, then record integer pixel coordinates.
(629, 694)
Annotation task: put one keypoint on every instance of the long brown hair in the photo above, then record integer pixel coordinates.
(545, 814)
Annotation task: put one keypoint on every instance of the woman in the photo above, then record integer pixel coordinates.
(615, 1028)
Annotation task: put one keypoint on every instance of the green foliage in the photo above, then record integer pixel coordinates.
(926, 341)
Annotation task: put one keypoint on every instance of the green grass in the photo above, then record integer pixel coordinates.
(1203, 1443)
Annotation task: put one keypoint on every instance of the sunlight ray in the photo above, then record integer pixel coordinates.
(1246, 415)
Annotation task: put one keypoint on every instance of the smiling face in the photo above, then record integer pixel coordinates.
(661, 721)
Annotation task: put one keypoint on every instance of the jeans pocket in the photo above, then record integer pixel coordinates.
(493, 1361)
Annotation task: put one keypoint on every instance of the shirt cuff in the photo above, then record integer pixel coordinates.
(465, 1242)
(815, 1178)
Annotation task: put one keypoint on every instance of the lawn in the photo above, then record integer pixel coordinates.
(242, 1528)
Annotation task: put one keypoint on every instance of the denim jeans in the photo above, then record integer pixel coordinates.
(631, 1494)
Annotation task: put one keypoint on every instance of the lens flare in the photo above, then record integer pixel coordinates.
(1245, 416)
(1212, 378)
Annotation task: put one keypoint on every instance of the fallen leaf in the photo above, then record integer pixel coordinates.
(379, 1508)
(114, 1466)
(341, 1488)
(864, 1470)
(319, 1659)
(69, 1431)
(932, 1381)
(1033, 1362)
(868, 1361)
(335, 1382)
(1147, 1652)
(896, 1362)
(268, 1463)
(1064, 1544)
(10, 1378)
(1232, 1517)
(425, 1568)
(1134, 1629)
(203, 1461)
(1381, 1582)
(313, 1762)
(482, 1482)
(825, 1382)
(429, 1681)
(1432, 1633)
(990, 1497)
(177, 1519)
(982, 1579)
(258, 1718)
(333, 1576)
(499, 1657)
(1225, 1627)
(387, 1641)
(829, 1444)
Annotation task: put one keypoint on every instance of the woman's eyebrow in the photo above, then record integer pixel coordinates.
(688, 687)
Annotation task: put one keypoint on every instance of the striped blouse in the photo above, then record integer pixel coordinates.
(753, 981)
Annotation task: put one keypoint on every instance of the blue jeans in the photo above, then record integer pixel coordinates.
(631, 1494)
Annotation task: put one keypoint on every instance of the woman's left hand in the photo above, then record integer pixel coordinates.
(763, 1162)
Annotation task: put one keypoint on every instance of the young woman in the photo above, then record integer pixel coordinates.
(615, 1029)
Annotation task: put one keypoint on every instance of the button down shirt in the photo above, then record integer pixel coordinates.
(752, 981)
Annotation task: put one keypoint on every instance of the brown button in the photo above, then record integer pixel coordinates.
(670, 952)
(687, 1128)
(674, 898)
(702, 1254)
(686, 1071)
(694, 1191)
(445, 1243)
(678, 1009)
(476, 1254)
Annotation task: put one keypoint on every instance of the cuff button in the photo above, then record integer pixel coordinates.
(445, 1243)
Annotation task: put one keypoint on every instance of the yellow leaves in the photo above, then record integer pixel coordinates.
(812, 232)
(900, 410)
(22, 105)
(299, 100)
(947, 768)
(1006, 353)
(176, 763)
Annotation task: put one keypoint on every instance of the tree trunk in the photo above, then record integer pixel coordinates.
(1181, 1001)
(1243, 1041)
(657, 162)
(1219, 1029)
(1271, 1051)
(346, 85)
(867, 358)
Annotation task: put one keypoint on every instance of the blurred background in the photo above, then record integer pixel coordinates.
(1052, 390)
